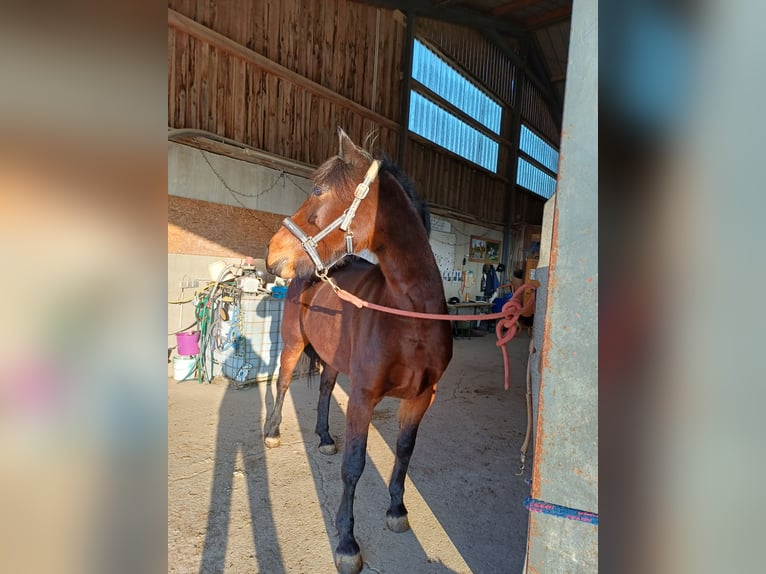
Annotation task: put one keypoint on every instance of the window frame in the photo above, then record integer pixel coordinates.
(534, 162)
(425, 92)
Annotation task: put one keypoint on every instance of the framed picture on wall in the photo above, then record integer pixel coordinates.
(493, 252)
(484, 250)
(478, 250)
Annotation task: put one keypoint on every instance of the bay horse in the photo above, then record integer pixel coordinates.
(382, 354)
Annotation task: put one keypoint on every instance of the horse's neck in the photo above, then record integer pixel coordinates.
(404, 254)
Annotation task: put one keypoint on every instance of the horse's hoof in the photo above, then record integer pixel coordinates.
(348, 564)
(271, 441)
(328, 448)
(398, 523)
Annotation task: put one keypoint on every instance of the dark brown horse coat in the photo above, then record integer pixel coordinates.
(382, 354)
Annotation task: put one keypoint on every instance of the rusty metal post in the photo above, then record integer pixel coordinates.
(565, 470)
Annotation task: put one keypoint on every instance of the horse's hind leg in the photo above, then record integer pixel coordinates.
(327, 384)
(288, 361)
(348, 557)
(410, 414)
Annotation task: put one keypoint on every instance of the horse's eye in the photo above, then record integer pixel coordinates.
(317, 191)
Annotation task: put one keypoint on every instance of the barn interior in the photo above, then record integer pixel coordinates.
(489, 107)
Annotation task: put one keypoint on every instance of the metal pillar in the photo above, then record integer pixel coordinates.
(511, 191)
(565, 471)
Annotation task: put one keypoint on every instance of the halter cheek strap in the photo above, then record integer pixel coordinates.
(343, 222)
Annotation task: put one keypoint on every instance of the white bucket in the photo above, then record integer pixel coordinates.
(184, 367)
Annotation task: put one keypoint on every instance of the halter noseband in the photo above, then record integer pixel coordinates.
(343, 223)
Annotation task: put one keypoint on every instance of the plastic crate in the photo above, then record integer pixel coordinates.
(254, 356)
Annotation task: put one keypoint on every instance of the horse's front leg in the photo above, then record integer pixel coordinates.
(327, 384)
(410, 414)
(288, 361)
(348, 557)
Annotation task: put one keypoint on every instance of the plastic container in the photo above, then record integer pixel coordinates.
(255, 356)
(188, 343)
(278, 292)
(184, 368)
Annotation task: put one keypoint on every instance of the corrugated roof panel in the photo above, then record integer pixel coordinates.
(438, 76)
(536, 147)
(439, 126)
(535, 179)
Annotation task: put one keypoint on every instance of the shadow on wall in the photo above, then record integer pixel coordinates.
(197, 227)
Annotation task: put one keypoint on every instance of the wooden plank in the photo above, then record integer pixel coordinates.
(258, 37)
(172, 77)
(272, 101)
(207, 141)
(241, 102)
(382, 103)
(195, 29)
(260, 115)
(220, 92)
(328, 51)
(339, 49)
(213, 87)
(305, 27)
(271, 15)
(250, 124)
(366, 45)
(183, 80)
(225, 72)
(203, 79)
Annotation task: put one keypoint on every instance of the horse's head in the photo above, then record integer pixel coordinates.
(335, 182)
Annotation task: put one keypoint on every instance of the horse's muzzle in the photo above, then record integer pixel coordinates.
(274, 267)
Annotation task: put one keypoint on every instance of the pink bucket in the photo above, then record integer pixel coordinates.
(188, 343)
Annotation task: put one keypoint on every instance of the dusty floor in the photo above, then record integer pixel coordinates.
(235, 506)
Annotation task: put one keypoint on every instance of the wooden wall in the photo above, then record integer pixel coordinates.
(280, 75)
(482, 60)
(535, 111)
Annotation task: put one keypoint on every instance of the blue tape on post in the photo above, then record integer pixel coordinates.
(535, 505)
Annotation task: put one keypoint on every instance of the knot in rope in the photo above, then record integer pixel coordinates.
(508, 325)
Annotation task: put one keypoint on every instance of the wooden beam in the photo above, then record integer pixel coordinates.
(537, 60)
(222, 145)
(512, 6)
(197, 30)
(545, 89)
(452, 14)
(547, 18)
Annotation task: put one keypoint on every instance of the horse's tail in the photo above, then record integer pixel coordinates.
(314, 362)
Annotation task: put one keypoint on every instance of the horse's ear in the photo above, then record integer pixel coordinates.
(348, 151)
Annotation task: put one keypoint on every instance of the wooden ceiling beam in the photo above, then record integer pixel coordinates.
(452, 14)
(511, 7)
(547, 18)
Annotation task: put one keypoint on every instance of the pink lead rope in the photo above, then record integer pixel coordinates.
(505, 329)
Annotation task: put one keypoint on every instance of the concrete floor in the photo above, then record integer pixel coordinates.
(235, 506)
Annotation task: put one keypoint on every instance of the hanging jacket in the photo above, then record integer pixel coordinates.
(490, 281)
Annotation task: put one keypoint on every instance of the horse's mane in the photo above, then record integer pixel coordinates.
(336, 174)
(409, 188)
